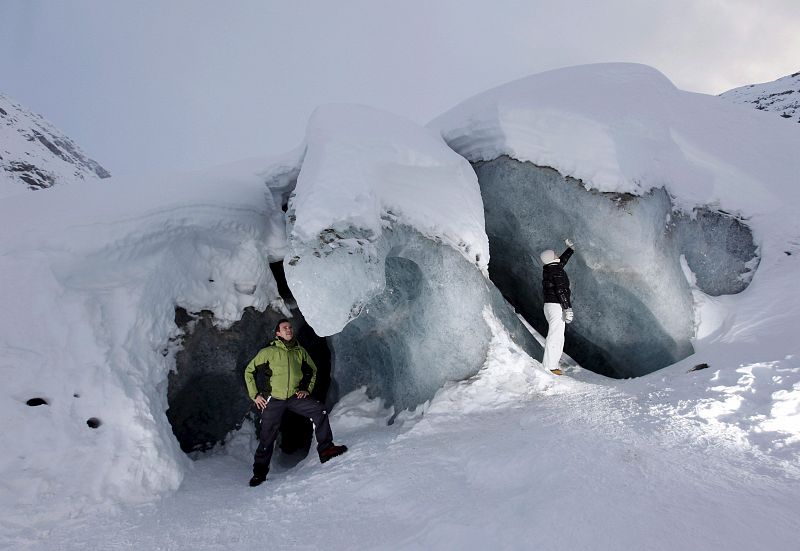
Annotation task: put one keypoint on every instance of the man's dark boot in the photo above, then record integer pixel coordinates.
(330, 452)
(259, 476)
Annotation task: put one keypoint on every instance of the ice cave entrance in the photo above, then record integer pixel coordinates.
(206, 393)
(631, 295)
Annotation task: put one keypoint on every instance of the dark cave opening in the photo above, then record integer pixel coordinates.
(633, 304)
(206, 393)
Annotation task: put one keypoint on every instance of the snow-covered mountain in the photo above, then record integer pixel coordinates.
(683, 209)
(780, 96)
(34, 154)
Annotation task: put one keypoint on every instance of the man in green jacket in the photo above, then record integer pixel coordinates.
(290, 375)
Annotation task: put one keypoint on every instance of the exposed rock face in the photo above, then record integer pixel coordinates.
(718, 248)
(207, 395)
(632, 302)
(35, 155)
(780, 96)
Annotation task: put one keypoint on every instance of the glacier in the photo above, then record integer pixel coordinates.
(385, 229)
(633, 303)
(639, 174)
(388, 256)
(425, 328)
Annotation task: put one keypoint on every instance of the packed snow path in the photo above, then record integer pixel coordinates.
(575, 466)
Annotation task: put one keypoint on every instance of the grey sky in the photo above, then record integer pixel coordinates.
(153, 85)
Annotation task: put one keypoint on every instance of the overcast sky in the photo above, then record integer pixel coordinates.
(163, 85)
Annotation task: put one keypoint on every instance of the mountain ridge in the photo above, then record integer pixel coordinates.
(35, 155)
(781, 96)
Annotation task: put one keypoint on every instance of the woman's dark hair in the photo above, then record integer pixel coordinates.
(280, 321)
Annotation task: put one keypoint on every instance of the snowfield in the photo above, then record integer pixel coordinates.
(514, 459)
(511, 458)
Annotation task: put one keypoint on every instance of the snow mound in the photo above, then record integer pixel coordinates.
(626, 128)
(91, 278)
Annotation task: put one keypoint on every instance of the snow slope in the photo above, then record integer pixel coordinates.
(780, 96)
(36, 155)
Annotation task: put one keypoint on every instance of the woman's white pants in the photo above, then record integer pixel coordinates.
(554, 345)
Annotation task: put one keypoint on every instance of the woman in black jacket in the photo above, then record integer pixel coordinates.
(557, 305)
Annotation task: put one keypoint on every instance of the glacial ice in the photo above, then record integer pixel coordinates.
(364, 170)
(425, 327)
(414, 308)
(388, 255)
(719, 249)
(633, 305)
(686, 174)
(389, 245)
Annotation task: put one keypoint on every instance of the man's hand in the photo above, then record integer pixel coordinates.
(261, 402)
(570, 243)
(301, 394)
(568, 315)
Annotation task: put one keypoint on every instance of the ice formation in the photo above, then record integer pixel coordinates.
(617, 158)
(388, 254)
(633, 304)
(426, 326)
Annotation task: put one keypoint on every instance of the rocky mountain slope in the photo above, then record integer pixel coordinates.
(34, 154)
(781, 96)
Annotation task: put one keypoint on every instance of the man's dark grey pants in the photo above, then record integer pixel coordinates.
(271, 422)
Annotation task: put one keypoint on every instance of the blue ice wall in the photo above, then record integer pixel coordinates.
(425, 328)
(632, 302)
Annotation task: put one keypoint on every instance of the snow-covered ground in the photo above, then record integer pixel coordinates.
(513, 458)
(91, 275)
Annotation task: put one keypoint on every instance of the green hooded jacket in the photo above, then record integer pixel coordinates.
(288, 369)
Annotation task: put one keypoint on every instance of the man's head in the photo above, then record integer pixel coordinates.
(283, 329)
(548, 257)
